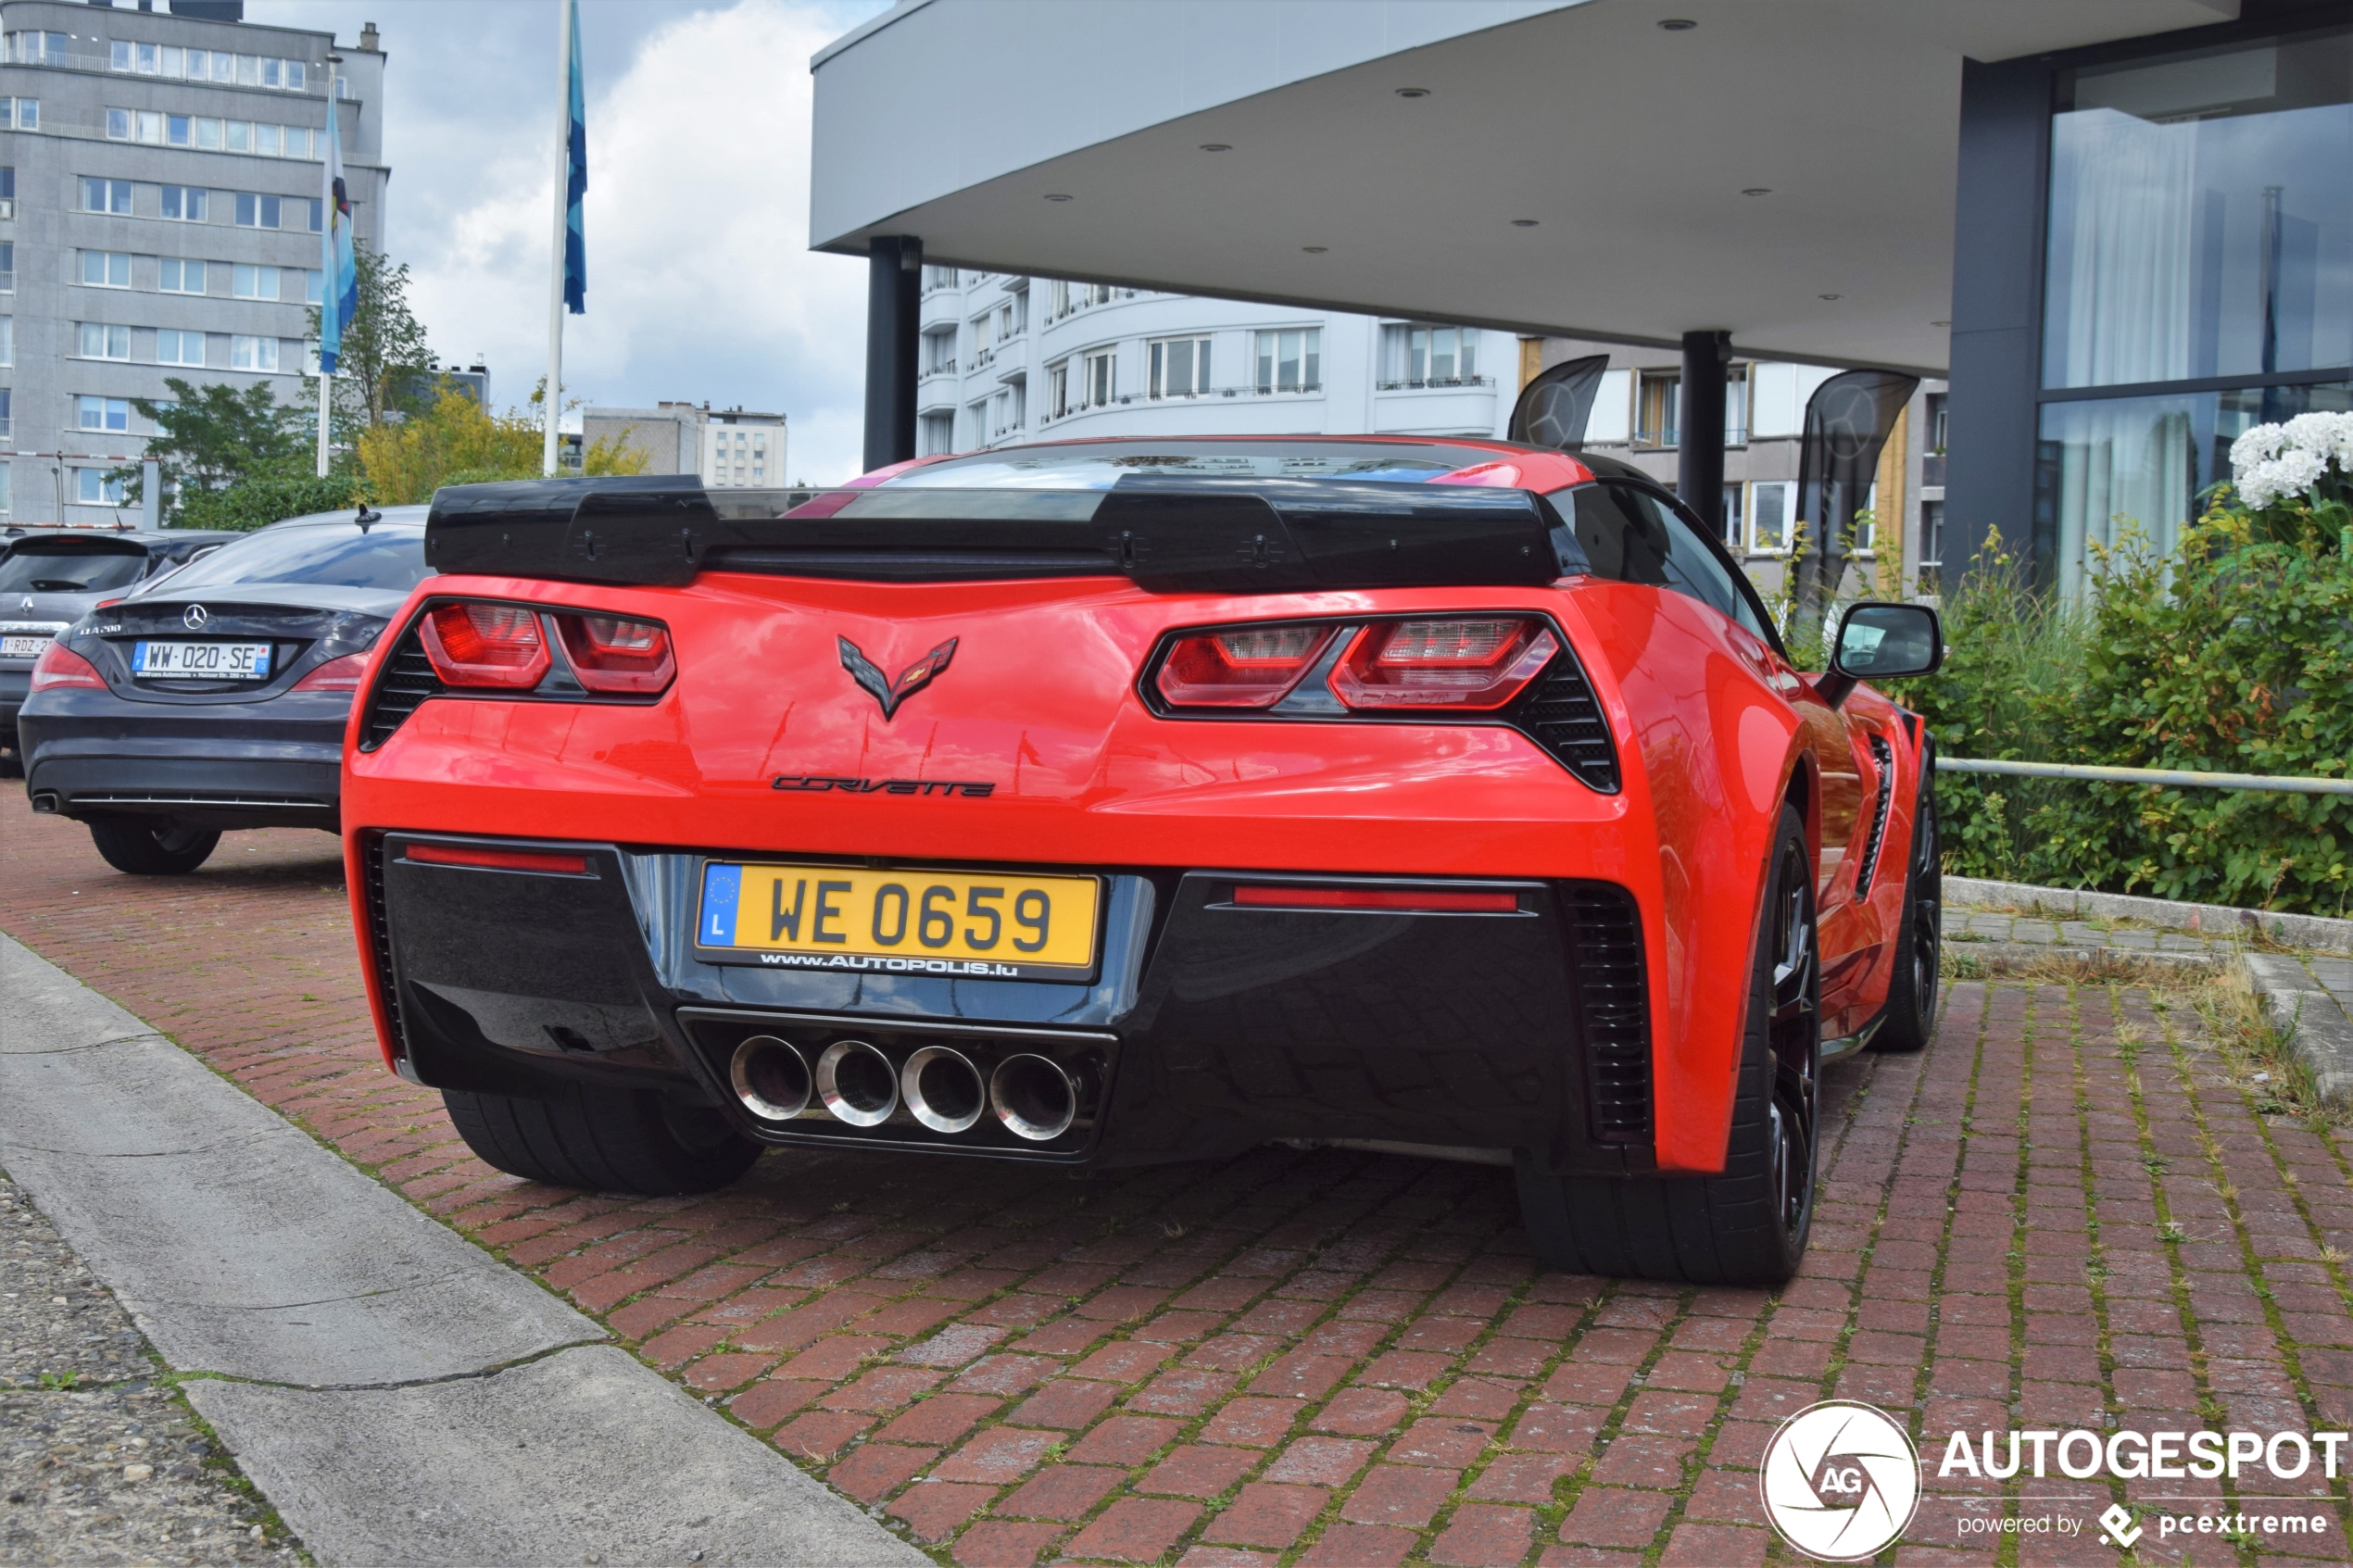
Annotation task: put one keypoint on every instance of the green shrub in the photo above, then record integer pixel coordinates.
(264, 500)
(2233, 655)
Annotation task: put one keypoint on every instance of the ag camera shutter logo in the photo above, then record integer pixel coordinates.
(1840, 1480)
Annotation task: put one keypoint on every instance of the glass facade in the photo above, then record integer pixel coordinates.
(2200, 232)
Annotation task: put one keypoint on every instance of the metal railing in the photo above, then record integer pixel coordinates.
(1433, 383)
(2177, 778)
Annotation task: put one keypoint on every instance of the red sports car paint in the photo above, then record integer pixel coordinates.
(1714, 730)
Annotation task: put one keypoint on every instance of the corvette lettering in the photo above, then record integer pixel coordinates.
(819, 783)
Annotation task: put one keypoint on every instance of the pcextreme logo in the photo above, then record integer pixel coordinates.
(1840, 1480)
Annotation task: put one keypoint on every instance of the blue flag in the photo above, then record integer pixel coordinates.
(339, 297)
(575, 178)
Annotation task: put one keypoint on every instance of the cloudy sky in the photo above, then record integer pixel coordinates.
(700, 282)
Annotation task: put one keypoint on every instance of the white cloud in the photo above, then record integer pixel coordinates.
(700, 282)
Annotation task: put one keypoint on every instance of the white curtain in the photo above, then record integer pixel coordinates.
(2129, 461)
(2121, 223)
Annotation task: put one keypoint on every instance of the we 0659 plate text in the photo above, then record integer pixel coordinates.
(962, 924)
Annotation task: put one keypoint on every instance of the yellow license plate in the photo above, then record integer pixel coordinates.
(986, 925)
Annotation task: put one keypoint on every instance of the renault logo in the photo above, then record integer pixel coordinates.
(194, 618)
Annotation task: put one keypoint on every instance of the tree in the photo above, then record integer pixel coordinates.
(385, 359)
(459, 442)
(212, 437)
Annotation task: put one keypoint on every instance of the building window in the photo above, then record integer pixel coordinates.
(253, 353)
(176, 276)
(1935, 423)
(101, 413)
(105, 196)
(134, 125)
(1429, 356)
(1102, 379)
(8, 266)
(92, 488)
(937, 277)
(1058, 389)
(179, 348)
(98, 341)
(314, 287)
(1769, 508)
(1057, 299)
(1292, 360)
(936, 435)
(186, 203)
(255, 211)
(1733, 533)
(7, 432)
(105, 269)
(1180, 367)
(7, 340)
(939, 352)
(253, 283)
(33, 49)
(1659, 415)
(23, 114)
(8, 191)
(1932, 547)
(1735, 413)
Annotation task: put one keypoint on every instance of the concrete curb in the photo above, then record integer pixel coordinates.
(2000, 957)
(2313, 933)
(398, 1394)
(2307, 1018)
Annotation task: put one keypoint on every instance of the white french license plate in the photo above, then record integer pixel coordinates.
(22, 648)
(201, 661)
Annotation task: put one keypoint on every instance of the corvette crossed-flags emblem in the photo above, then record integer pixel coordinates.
(888, 692)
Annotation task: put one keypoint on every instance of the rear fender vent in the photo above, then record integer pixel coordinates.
(1564, 717)
(1612, 1005)
(407, 681)
(1884, 759)
(371, 873)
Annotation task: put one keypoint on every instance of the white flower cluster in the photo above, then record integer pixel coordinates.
(2272, 462)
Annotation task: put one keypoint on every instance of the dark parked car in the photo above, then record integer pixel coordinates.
(51, 578)
(216, 698)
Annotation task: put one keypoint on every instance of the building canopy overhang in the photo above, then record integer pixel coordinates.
(1782, 170)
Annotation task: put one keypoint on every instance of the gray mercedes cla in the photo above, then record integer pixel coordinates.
(215, 698)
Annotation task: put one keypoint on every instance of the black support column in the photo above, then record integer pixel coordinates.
(894, 319)
(1699, 453)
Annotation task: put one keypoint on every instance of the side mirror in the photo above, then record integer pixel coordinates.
(1881, 642)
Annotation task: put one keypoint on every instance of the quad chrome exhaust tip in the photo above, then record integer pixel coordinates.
(943, 1089)
(857, 1084)
(771, 1077)
(1035, 1097)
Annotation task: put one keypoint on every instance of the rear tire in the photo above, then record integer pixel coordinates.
(152, 846)
(1913, 993)
(603, 1140)
(1749, 1224)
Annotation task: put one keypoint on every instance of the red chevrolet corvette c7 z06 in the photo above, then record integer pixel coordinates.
(1102, 802)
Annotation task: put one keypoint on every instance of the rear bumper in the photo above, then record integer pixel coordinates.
(1209, 1028)
(274, 764)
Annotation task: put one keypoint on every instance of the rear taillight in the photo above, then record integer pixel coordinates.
(612, 655)
(1249, 667)
(1434, 900)
(479, 644)
(336, 675)
(495, 859)
(1470, 663)
(59, 666)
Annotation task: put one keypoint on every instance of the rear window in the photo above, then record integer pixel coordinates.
(1624, 535)
(1100, 465)
(336, 556)
(32, 568)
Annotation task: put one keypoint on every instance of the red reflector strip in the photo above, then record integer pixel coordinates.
(1377, 898)
(497, 859)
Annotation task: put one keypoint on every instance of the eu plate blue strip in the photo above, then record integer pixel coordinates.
(721, 887)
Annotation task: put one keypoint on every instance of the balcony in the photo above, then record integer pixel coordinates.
(1447, 384)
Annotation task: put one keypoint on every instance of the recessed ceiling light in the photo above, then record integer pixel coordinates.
(1758, 191)
(1315, 250)
(1413, 92)
(1217, 146)
(1523, 222)
(1678, 24)
(1829, 296)
(1056, 196)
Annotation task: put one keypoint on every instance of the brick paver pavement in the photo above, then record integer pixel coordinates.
(2064, 1214)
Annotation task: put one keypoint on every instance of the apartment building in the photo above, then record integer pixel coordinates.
(1007, 358)
(159, 216)
(727, 448)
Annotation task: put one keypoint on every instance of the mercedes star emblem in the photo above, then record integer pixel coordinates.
(194, 618)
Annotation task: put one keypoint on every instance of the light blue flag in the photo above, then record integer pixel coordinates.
(575, 179)
(339, 301)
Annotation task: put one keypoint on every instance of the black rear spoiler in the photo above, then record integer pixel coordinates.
(1166, 533)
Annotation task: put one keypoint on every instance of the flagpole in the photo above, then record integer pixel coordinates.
(327, 271)
(556, 247)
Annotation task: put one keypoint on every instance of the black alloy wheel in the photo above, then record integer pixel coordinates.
(1913, 992)
(1793, 1031)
